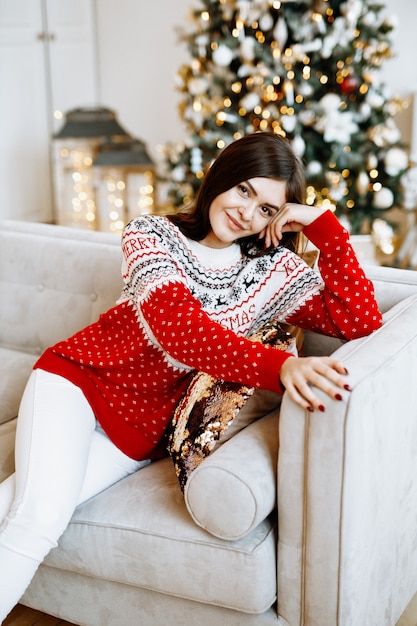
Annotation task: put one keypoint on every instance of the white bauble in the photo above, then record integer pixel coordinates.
(298, 51)
(281, 33)
(338, 192)
(288, 123)
(307, 117)
(247, 48)
(329, 43)
(249, 101)
(383, 199)
(362, 183)
(314, 168)
(391, 132)
(365, 111)
(305, 89)
(298, 145)
(222, 56)
(372, 161)
(375, 100)
(370, 19)
(178, 174)
(266, 22)
(197, 85)
(396, 160)
(202, 40)
(330, 102)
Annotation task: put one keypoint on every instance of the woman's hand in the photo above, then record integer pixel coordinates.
(298, 374)
(290, 218)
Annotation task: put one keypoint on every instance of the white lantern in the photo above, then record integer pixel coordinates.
(75, 147)
(125, 184)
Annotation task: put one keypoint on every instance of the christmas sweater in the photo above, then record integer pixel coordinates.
(186, 307)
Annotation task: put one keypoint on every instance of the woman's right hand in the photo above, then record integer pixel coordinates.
(291, 217)
(300, 374)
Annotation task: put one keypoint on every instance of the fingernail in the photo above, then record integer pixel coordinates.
(346, 372)
(347, 387)
(310, 408)
(322, 408)
(338, 396)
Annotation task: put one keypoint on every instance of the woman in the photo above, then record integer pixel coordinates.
(196, 284)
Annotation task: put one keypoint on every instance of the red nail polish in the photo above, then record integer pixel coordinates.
(346, 372)
(347, 387)
(310, 408)
(322, 408)
(338, 396)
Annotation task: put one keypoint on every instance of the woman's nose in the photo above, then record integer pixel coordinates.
(246, 212)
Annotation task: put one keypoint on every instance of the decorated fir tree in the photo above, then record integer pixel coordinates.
(308, 70)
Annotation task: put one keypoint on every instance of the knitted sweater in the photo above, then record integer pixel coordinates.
(187, 307)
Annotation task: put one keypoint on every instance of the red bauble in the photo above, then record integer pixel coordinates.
(349, 85)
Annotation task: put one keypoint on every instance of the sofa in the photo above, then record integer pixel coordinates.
(322, 532)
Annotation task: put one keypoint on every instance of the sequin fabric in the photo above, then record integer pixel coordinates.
(208, 408)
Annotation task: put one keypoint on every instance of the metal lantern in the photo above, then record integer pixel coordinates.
(125, 183)
(74, 149)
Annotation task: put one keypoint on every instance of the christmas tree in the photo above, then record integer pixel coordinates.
(308, 70)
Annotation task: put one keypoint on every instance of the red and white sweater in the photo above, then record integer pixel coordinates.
(187, 307)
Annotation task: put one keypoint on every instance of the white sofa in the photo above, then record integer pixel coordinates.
(344, 483)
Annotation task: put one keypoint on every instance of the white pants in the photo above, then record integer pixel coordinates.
(61, 459)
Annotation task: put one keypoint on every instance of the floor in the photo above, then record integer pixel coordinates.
(409, 617)
(23, 616)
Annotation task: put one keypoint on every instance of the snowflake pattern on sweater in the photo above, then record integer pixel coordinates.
(181, 311)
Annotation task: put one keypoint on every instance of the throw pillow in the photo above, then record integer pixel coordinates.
(210, 407)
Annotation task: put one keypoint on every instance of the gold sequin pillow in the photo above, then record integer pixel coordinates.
(210, 407)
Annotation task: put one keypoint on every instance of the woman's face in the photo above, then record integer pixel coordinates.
(244, 210)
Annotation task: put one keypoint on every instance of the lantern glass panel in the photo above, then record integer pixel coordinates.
(74, 182)
(141, 187)
(123, 193)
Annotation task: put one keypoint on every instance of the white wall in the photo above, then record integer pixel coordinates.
(140, 54)
(400, 73)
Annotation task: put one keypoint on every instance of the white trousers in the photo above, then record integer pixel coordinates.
(61, 459)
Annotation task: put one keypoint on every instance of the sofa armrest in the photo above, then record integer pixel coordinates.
(347, 487)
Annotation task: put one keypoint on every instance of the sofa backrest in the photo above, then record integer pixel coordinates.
(391, 286)
(54, 280)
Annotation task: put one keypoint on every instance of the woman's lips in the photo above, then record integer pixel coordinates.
(235, 225)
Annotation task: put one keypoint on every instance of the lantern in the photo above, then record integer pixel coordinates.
(125, 183)
(75, 148)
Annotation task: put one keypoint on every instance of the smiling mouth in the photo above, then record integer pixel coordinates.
(234, 224)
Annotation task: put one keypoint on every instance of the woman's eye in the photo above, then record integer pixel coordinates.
(243, 189)
(265, 210)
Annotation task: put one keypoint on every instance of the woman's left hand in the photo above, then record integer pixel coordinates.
(290, 218)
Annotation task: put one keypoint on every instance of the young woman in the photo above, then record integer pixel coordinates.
(196, 284)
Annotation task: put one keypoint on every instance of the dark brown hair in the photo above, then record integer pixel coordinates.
(261, 154)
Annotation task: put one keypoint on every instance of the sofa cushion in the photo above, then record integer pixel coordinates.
(59, 282)
(210, 407)
(138, 533)
(15, 369)
(7, 438)
(234, 489)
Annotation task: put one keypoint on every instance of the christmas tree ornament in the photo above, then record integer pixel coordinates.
(396, 161)
(362, 183)
(349, 84)
(298, 145)
(383, 198)
(222, 56)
